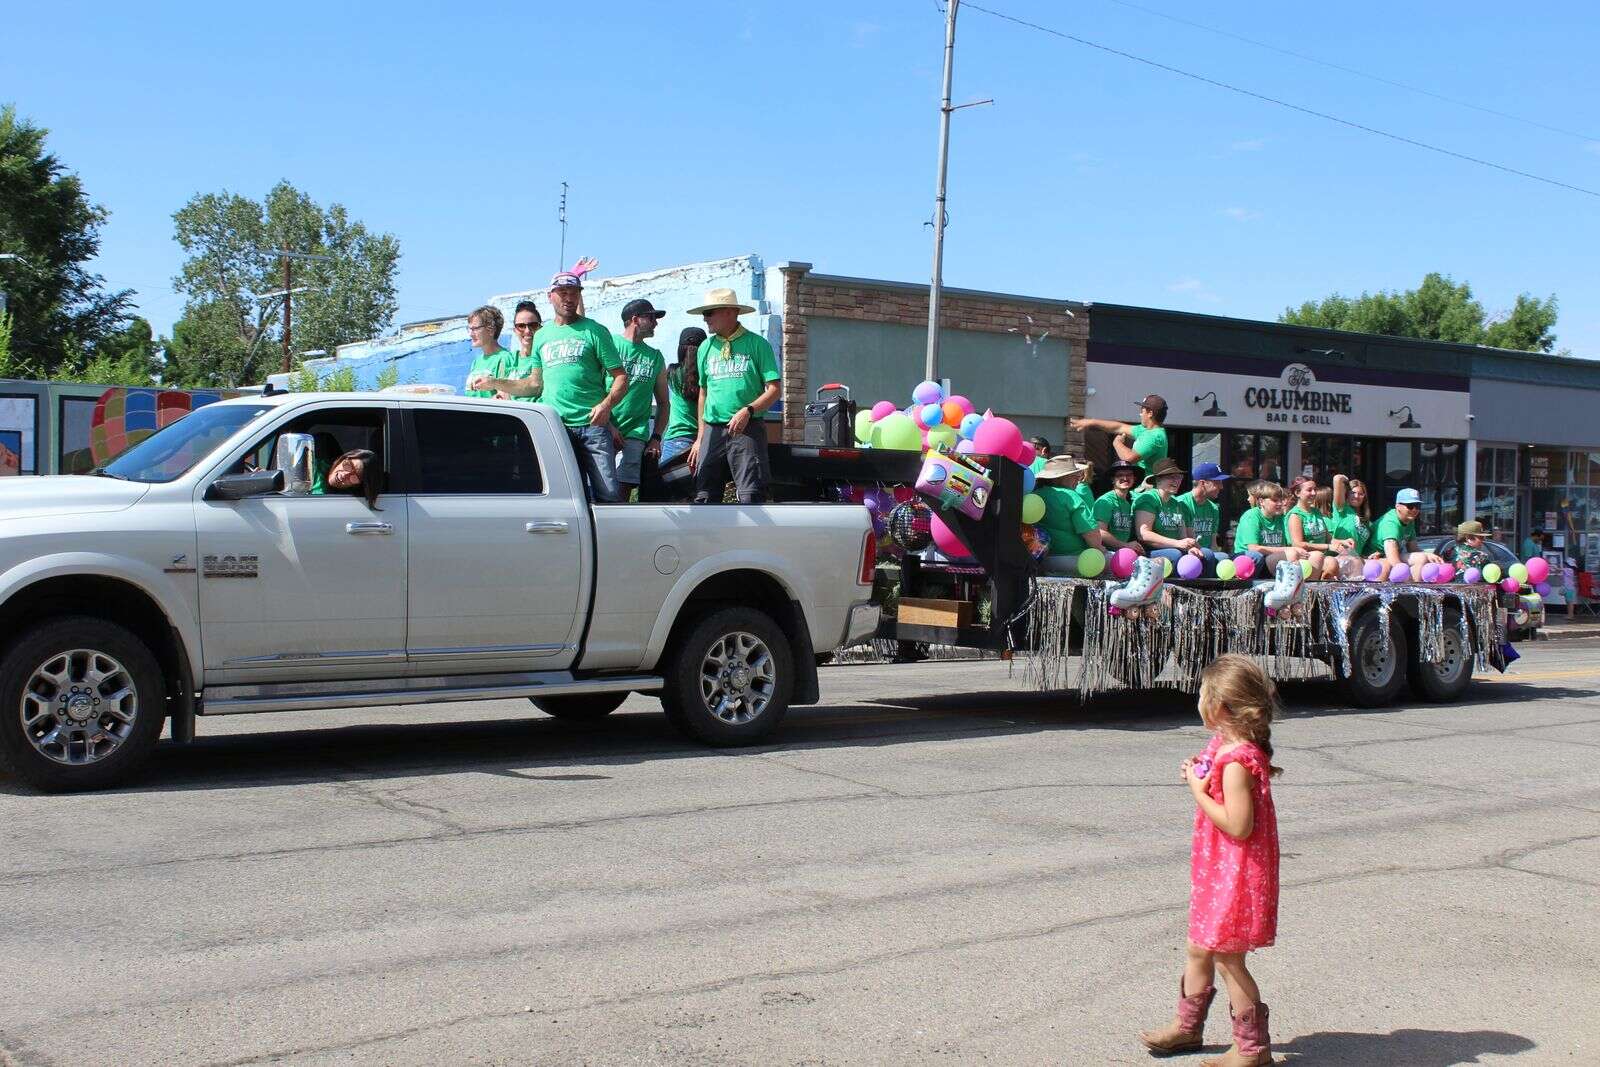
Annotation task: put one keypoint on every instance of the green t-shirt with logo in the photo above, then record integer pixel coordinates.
(1348, 523)
(1390, 528)
(576, 360)
(1313, 525)
(1170, 516)
(493, 364)
(734, 378)
(1255, 528)
(1116, 514)
(644, 365)
(685, 420)
(1204, 518)
(1066, 519)
(1150, 442)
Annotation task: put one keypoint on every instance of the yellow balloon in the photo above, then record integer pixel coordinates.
(1032, 507)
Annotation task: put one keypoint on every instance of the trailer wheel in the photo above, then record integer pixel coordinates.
(1445, 681)
(1377, 668)
(730, 678)
(585, 707)
(82, 703)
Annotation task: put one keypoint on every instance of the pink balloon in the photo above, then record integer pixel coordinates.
(882, 409)
(1243, 567)
(1538, 569)
(1122, 562)
(960, 401)
(1026, 454)
(997, 437)
(946, 541)
(1447, 572)
(1510, 585)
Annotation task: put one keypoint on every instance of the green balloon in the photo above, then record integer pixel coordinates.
(1091, 561)
(864, 427)
(1166, 567)
(942, 435)
(1305, 568)
(1225, 569)
(1032, 507)
(1491, 573)
(897, 431)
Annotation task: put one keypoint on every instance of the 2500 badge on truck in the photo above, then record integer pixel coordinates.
(209, 571)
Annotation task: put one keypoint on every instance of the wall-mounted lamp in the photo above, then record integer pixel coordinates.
(1409, 423)
(1214, 411)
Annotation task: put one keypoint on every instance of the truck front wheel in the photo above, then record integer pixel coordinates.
(82, 703)
(729, 679)
(587, 707)
(1378, 666)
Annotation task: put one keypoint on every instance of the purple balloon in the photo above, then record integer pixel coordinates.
(1543, 589)
(1372, 570)
(1189, 566)
(965, 447)
(874, 502)
(1430, 572)
(1472, 576)
(1401, 573)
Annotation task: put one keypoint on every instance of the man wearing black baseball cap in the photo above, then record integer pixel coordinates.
(647, 384)
(1144, 443)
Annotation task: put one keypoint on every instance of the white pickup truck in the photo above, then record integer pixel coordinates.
(205, 572)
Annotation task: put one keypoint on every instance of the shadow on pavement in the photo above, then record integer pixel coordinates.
(1403, 1048)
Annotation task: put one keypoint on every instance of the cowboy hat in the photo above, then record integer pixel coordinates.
(1164, 468)
(721, 298)
(1117, 468)
(1062, 466)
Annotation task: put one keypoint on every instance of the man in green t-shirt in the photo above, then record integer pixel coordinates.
(738, 382)
(483, 328)
(647, 385)
(1396, 534)
(1200, 501)
(1161, 521)
(1262, 534)
(1068, 518)
(1143, 443)
(1113, 511)
(570, 368)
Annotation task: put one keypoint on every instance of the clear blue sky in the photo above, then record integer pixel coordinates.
(807, 131)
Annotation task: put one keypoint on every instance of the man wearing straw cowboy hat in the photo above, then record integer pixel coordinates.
(738, 381)
(1068, 516)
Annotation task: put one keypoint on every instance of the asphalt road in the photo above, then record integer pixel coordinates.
(931, 868)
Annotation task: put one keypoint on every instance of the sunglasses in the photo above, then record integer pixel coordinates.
(529, 325)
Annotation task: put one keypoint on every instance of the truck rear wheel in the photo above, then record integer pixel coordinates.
(729, 679)
(1447, 680)
(82, 703)
(1377, 668)
(585, 707)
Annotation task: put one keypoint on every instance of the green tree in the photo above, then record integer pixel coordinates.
(60, 310)
(1437, 310)
(229, 337)
(8, 369)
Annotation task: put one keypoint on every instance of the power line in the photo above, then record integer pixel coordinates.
(1352, 70)
(1284, 103)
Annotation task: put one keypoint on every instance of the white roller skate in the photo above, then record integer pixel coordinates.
(1288, 587)
(1142, 588)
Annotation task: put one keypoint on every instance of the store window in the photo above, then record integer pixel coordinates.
(1323, 457)
(1496, 502)
(1564, 488)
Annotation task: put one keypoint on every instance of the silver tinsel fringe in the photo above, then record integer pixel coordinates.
(1171, 641)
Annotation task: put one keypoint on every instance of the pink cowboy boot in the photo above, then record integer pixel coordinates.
(1184, 1034)
(1252, 1046)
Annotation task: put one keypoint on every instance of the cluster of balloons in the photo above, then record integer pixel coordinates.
(1092, 563)
(1535, 572)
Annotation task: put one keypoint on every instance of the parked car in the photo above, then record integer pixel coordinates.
(1522, 624)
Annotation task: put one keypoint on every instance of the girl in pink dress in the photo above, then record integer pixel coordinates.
(1233, 866)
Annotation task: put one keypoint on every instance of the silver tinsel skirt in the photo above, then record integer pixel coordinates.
(1171, 641)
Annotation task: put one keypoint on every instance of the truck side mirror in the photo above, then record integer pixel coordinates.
(240, 486)
(294, 457)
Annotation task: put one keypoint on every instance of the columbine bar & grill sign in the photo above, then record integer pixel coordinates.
(1298, 402)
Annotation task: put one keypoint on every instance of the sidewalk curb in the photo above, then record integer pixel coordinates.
(1562, 633)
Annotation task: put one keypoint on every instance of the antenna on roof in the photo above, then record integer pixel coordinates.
(562, 215)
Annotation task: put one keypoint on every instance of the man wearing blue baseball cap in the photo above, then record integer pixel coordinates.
(1199, 502)
(1396, 534)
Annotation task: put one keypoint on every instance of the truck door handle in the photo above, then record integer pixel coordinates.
(552, 527)
(359, 528)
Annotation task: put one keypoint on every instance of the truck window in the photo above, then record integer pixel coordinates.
(474, 452)
(335, 431)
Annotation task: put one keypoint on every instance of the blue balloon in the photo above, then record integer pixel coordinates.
(1028, 478)
(969, 425)
(931, 415)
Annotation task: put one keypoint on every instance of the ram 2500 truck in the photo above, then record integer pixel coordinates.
(209, 571)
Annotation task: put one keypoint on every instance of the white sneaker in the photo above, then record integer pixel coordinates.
(1142, 588)
(1288, 587)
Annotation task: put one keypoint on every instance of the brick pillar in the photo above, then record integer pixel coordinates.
(796, 359)
(1077, 378)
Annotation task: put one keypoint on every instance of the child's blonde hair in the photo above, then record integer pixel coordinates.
(1237, 693)
(1255, 491)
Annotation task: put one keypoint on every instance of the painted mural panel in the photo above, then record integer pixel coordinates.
(94, 431)
(19, 421)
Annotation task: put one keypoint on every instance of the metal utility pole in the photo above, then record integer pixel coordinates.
(288, 292)
(561, 214)
(945, 109)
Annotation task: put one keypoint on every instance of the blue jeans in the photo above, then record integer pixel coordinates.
(597, 458)
(673, 447)
(1208, 562)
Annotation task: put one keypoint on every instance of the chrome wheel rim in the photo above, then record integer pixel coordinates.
(1377, 659)
(738, 678)
(79, 707)
(1452, 658)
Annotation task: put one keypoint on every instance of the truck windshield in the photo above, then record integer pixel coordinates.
(170, 452)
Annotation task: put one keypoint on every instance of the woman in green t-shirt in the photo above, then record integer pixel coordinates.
(1352, 515)
(1309, 530)
(683, 396)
